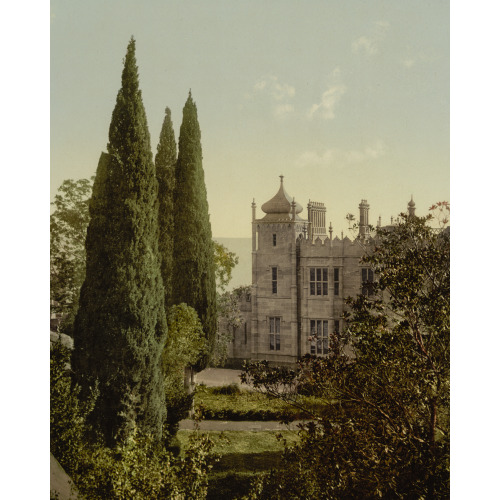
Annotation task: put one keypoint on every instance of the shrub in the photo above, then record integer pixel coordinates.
(228, 390)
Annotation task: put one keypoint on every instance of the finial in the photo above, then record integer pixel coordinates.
(330, 229)
(281, 177)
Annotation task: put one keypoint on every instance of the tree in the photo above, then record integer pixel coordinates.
(137, 468)
(229, 319)
(383, 431)
(68, 413)
(225, 262)
(68, 226)
(185, 344)
(193, 273)
(165, 160)
(120, 327)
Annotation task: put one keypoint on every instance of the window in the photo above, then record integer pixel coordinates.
(366, 281)
(319, 336)
(274, 279)
(274, 333)
(274, 240)
(319, 280)
(336, 281)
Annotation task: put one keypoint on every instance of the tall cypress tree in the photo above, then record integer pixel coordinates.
(165, 159)
(120, 326)
(194, 271)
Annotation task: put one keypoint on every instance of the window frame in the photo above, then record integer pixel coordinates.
(318, 285)
(336, 281)
(274, 333)
(367, 272)
(319, 344)
(274, 280)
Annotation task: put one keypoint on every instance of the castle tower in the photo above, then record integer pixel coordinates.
(364, 228)
(274, 277)
(317, 218)
(411, 207)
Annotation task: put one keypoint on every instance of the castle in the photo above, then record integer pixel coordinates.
(300, 278)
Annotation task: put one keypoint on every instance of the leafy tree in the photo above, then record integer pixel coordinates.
(229, 319)
(194, 272)
(120, 327)
(68, 413)
(185, 344)
(383, 431)
(228, 310)
(165, 160)
(68, 227)
(225, 262)
(137, 468)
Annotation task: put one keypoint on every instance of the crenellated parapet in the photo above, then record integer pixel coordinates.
(326, 247)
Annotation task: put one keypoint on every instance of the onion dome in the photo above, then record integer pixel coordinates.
(281, 203)
(411, 203)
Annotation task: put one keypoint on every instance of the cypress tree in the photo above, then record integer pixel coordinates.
(121, 326)
(165, 159)
(194, 271)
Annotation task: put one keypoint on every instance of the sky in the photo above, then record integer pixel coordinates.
(347, 100)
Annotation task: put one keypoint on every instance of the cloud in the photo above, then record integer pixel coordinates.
(280, 93)
(369, 45)
(283, 109)
(338, 158)
(365, 45)
(329, 99)
(408, 63)
(271, 86)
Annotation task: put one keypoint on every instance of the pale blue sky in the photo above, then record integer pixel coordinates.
(347, 100)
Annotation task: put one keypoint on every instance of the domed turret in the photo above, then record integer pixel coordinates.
(411, 207)
(281, 204)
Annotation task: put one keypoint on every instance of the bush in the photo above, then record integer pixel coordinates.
(233, 403)
(228, 390)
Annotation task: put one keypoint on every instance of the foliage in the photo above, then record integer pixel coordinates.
(68, 227)
(184, 346)
(165, 159)
(229, 319)
(194, 272)
(383, 431)
(225, 262)
(232, 403)
(67, 413)
(242, 455)
(137, 468)
(120, 327)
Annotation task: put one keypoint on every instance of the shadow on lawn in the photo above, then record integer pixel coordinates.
(231, 477)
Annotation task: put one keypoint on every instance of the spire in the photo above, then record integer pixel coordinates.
(411, 207)
(281, 202)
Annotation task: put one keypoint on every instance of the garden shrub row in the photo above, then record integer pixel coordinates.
(230, 403)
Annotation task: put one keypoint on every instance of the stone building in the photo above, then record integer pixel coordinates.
(300, 278)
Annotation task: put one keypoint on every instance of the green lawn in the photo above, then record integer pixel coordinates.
(241, 404)
(243, 453)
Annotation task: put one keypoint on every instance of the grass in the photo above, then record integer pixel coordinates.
(233, 403)
(243, 454)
